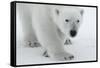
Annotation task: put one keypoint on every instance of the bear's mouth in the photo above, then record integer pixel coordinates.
(73, 33)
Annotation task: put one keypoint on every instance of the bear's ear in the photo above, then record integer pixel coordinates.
(81, 11)
(57, 11)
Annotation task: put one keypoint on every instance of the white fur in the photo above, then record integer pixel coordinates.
(42, 23)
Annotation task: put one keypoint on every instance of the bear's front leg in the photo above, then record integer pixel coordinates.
(48, 38)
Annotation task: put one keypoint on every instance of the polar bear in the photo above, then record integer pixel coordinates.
(50, 26)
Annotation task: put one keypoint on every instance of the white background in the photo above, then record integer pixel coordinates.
(5, 34)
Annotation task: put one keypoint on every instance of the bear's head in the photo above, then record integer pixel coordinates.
(68, 19)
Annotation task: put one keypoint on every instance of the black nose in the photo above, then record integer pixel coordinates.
(73, 33)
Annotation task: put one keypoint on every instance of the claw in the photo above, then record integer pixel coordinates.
(67, 42)
(46, 54)
(71, 57)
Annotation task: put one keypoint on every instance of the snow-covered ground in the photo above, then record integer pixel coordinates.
(83, 47)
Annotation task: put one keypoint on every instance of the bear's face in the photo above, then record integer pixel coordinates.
(69, 20)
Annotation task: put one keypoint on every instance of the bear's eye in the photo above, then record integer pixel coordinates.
(78, 21)
(67, 20)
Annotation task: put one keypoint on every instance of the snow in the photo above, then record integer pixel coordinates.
(83, 46)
